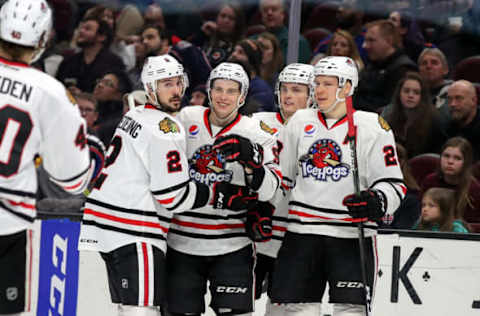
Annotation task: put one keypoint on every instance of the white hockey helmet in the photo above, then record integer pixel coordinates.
(26, 23)
(230, 71)
(344, 68)
(296, 73)
(161, 67)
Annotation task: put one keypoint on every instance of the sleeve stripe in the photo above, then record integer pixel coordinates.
(166, 201)
(171, 189)
(185, 194)
(389, 180)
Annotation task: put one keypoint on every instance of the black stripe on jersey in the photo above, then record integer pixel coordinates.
(172, 188)
(279, 238)
(202, 236)
(74, 177)
(124, 231)
(275, 176)
(394, 180)
(22, 216)
(19, 193)
(346, 224)
(319, 209)
(184, 197)
(280, 219)
(128, 210)
(214, 217)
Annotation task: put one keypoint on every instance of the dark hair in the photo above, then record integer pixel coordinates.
(408, 177)
(247, 67)
(162, 33)
(268, 71)
(124, 83)
(103, 29)
(413, 132)
(445, 199)
(87, 96)
(240, 23)
(253, 52)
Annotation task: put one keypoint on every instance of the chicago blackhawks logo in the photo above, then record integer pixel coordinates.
(208, 166)
(268, 129)
(323, 161)
(168, 126)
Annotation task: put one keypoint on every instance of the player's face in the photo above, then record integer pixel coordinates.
(225, 96)
(325, 91)
(293, 96)
(410, 94)
(451, 161)
(169, 93)
(340, 46)
(430, 210)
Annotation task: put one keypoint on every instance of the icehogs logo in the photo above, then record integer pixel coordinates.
(323, 161)
(208, 166)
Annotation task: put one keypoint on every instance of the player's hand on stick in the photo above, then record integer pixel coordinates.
(232, 197)
(368, 205)
(259, 221)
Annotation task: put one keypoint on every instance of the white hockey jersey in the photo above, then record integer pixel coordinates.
(208, 231)
(37, 117)
(279, 220)
(318, 157)
(145, 179)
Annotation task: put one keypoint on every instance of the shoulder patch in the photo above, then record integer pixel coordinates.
(168, 126)
(70, 97)
(383, 123)
(267, 128)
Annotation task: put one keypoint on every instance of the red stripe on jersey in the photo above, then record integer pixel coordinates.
(24, 205)
(278, 173)
(124, 220)
(207, 122)
(206, 226)
(230, 126)
(73, 186)
(13, 63)
(346, 219)
(280, 228)
(145, 276)
(404, 188)
(280, 118)
(166, 201)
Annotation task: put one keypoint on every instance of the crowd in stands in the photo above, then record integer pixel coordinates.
(407, 61)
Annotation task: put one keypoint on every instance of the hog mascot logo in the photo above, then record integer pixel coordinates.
(324, 161)
(208, 166)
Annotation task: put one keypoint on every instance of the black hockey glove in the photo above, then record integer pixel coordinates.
(232, 197)
(369, 205)
(238, 148)
(259, 221)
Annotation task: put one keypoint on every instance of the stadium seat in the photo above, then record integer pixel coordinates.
(474, 227)
(255, 29)
(422, 165)
(323, 15)
(315, 35)
(476, 169)
(468, 69)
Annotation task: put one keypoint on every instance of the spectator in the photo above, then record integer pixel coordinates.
(109, 92)
(273, 13)
(88, 106)
(438, 212)
(342, 44)
(248, 51)
(272, 57)
(388, 64)
(199, 96)
(433, 67)
(84, 68)
(414, 120)
(154, 16)
(464, 113)
(412, 37)
(217, 38)
(455, 172)
(155, 40)
(140, 54)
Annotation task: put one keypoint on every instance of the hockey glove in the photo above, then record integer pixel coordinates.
(259, 221)
(368, 205)
(232, 197)
(238, 148)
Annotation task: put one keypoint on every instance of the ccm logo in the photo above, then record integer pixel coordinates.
(352, 285)
(231, 289)
(57, 281)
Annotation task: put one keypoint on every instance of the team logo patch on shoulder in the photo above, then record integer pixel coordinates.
(383, 124)
(168, 126)
(70, 97)
(267, 128)
(324, 161)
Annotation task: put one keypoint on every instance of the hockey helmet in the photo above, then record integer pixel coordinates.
(229, 71)
(344, 68)
(296, 73)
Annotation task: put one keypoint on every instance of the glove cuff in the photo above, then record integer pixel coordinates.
(255, 179)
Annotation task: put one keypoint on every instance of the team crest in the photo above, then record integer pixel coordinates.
(168, 126)
(383, 123)
(324, 161)
(267, 128)
(208, 166)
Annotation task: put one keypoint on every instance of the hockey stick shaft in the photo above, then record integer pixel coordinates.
(352, 136)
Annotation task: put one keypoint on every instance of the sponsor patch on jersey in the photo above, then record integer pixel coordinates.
(383, 123)
(193, 130)
(324, 161)
(309, 129)
(168, 126)
(70, 97)
(208, 166)
(267, 128)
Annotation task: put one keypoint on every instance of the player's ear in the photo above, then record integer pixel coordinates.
(347, 87)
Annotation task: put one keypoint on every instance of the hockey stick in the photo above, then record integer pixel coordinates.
(352, 141)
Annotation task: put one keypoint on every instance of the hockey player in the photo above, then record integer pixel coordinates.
(294, 91)
(208, 245)
(37, 116)
(321, 244)
(145, 180)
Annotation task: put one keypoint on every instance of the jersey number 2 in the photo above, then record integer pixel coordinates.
(173, 164)
(390, 159)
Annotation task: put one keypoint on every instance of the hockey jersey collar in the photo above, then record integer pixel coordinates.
(280, 118)
(225, 129)
(150, 106)
(13, 63)
(339, 122)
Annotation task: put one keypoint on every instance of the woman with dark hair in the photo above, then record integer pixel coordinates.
(455, 172)
(272, 57)
(412, 37)
(217, 38)
(413, 118)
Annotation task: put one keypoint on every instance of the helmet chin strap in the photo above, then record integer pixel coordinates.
(334, 105)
